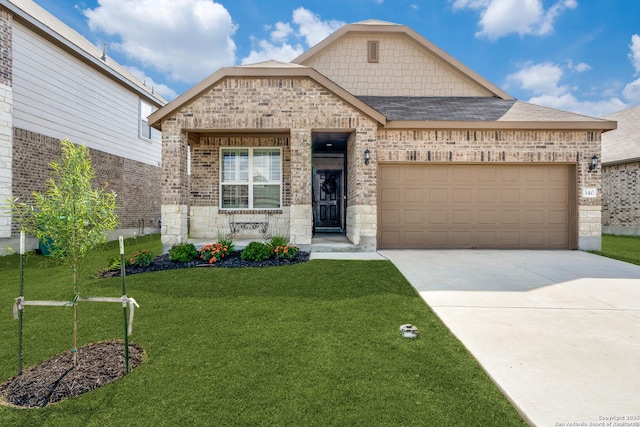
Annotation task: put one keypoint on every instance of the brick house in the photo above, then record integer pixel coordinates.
(621, 174)
(378, 134)
(55, 84)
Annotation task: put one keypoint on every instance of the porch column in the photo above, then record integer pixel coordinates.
(175, 189)
(362, 217)
(301, 217)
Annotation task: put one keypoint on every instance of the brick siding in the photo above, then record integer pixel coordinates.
(6, 58)
(621, 197)
(300, 106)
(136, 184)
(205, 166)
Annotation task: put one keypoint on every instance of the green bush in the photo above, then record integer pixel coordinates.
(184, 252)
(114, 263)
(256, 251)
(144, 258)
(276, 241)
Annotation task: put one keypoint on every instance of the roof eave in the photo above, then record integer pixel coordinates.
(621, 161)
(76, 51)
(604, 125)
(156, 118)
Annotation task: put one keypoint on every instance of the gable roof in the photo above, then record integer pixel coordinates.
(51, 28)
(263, 69)
(623, 144)
(383, 27)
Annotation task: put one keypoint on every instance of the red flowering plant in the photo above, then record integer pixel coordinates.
(286, 252)
(213, 252)
(144, 258)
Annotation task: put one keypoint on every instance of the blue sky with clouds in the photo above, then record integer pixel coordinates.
(577, 55)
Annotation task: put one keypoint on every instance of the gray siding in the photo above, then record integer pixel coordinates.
(56, 95)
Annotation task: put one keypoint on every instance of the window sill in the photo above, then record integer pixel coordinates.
(250, 211)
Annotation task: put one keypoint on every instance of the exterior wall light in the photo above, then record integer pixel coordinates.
(594, 163)
(367, 156)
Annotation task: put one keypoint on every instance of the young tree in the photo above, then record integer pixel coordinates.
(71, 217)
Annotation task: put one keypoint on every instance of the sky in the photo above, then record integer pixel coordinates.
(576, 55)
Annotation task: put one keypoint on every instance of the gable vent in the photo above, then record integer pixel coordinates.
(373, 51)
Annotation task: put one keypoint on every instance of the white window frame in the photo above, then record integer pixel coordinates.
(143, 119)
(250, 183)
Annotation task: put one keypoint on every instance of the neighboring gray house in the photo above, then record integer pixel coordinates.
(55, 84)
(621, 174)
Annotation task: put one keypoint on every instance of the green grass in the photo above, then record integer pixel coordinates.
(309, 344)
(623, 248)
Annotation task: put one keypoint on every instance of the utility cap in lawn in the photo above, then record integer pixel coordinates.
(409, 331)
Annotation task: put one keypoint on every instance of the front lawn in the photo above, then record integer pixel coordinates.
(623, 248)
(316, 343)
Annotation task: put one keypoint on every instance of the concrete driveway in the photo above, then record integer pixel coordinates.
(558, 331)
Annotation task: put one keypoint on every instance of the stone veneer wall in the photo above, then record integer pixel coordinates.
(448, 146)
(6, 118)
(136, 184)
(621, 199)
(6, 153)
(295, 104)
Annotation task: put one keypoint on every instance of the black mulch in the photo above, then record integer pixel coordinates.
(233, 260)
(56, 379)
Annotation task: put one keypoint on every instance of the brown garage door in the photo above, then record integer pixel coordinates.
(476, 206)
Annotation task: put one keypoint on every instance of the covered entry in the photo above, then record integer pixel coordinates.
(329, 180)
(477, 206)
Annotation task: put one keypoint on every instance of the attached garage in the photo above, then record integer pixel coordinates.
(505, 206)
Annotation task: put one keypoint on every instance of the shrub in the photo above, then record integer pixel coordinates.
(142, 258)
(229, 245)
(184, 252)
(256, 251)
(286, 252)
(213, 252)
(276, 241)
(114, 263)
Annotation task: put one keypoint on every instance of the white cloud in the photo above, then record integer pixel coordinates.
(311, 27)
(499, 18)
(580, 67)
(569, 102)
(634, 55)
(189, 39)
(161, 89)
(539, 79)
(631, 92)
(286, 43)
(544, 82)
(281, 33)
(266, 51)
(471, 4)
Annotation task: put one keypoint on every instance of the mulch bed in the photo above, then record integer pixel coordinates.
(56, 379)
(233, 260)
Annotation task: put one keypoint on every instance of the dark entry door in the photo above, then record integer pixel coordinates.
(327, 187)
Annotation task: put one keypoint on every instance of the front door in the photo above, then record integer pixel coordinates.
(327, 186)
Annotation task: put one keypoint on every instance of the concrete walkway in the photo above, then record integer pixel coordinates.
(558, 331)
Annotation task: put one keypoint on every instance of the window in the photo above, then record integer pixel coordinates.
(251, 178)
(145, 110)
(372, 51)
